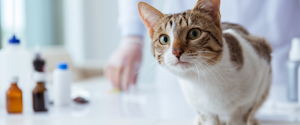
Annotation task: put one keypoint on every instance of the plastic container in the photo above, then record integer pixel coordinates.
(15, 61)
(14, 103)
(62, 85)
(292, 70)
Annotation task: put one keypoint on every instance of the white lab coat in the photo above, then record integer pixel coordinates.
(276, 20)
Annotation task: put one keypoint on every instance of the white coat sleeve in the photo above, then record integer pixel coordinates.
(129, 20)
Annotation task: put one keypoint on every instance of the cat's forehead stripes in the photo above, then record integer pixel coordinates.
(172, 37)
(176, 18)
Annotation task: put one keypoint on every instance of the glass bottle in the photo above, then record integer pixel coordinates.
(14, 102)
(39, 93)
(38, 63)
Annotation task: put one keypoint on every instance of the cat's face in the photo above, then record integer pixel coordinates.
(187, 40)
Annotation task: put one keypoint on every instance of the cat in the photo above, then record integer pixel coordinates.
(224, 71)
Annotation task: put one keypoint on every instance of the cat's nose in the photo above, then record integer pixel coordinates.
(177, 52)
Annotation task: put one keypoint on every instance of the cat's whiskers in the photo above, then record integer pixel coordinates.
(215, 70)
(212, 79)
(208, 52)
(165, 74)
(149, 65)
(217, 80)
(205, 81)
(153, 70)
(205, 76)
(197, 71)
(171, 60)
(220, 64)
(166, 66)
(202, 64)
(228, 90)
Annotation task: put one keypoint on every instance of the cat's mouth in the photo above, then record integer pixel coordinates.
(181, 63)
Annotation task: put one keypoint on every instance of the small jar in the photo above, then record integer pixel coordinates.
(14, 103)
(39, 93)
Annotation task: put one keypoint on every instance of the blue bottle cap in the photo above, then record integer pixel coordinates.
(14, 40)
(62, 65)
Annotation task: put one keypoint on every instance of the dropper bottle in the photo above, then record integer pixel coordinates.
(292, 68)
(39, 93)
(39, 63)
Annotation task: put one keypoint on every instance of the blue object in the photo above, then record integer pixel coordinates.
(14, 40)
(62, 65)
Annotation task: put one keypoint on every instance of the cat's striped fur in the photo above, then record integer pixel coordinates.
(224, 72)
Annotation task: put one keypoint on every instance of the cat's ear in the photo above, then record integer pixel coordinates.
(149, 15)
(212, 7)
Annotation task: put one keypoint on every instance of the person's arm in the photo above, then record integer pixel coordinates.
(129, 21)
(124, 63)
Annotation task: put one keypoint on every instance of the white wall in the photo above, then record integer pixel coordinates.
(74, 35)
(91, 28)
(40, 22)
(105, 38)
(8, 28)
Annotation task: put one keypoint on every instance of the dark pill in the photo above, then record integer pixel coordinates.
(80, 100)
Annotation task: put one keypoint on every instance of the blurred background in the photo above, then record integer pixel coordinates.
(83, 32)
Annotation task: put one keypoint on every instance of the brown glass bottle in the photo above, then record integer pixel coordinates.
(14, 102)
(39, 97)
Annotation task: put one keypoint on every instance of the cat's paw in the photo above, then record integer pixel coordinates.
(199, 120)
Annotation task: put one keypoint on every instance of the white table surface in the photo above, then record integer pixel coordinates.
(144, 105)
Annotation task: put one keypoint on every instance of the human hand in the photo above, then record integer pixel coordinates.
(123, 64)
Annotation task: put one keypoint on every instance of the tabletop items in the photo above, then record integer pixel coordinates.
(14, 102)
(39, 94)
(62, 85)
(15, 68)
(18, 72)
(15, 62)
(40, 100)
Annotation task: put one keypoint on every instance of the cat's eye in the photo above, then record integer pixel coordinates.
(194, 34)
(164, 39)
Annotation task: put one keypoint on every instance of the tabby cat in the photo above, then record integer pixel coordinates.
(224, 71)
